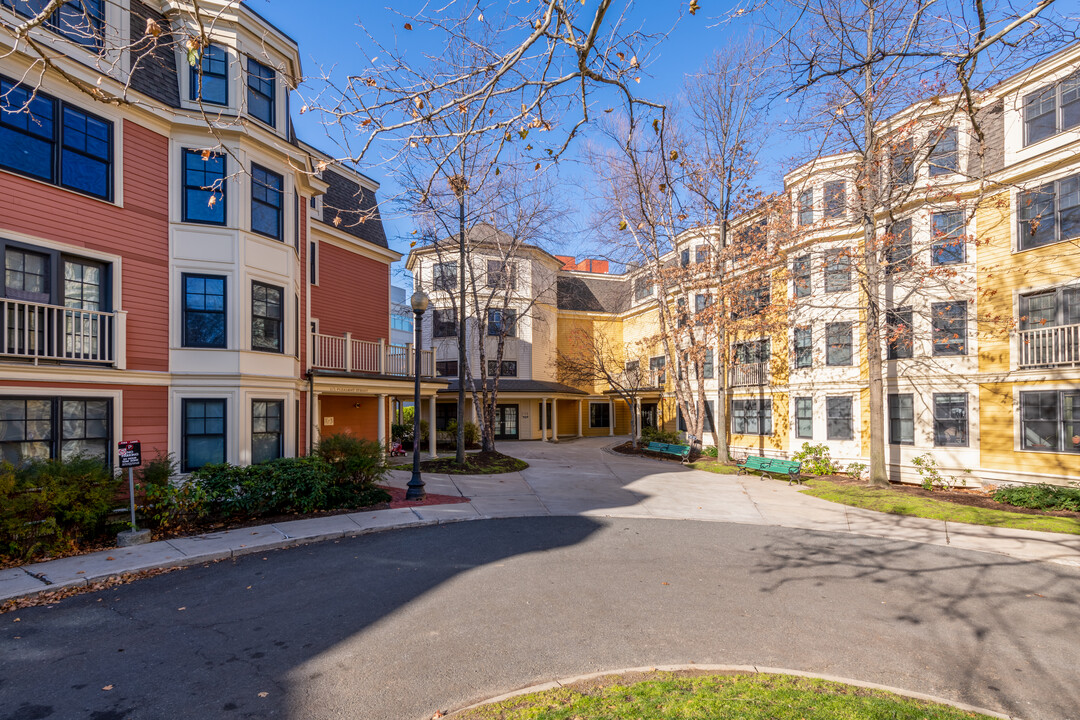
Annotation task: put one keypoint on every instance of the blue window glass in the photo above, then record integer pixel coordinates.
(267, 315)
(204, 187)
(260, 96)
(948, 246)
(204, 433)
(266, 201)
(85, 158)
(27, 131)
(204, 311)
(78, 20)
(210, 77)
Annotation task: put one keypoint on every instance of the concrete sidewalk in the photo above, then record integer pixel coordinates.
(572, 478)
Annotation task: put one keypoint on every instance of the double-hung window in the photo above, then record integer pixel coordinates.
(1050, 308)
(204, 187)
(502, 322)
(1049, 213)
(838, 418)
(837, 270)
(903, 162)
(501, 274)
(899, 334)
(444, 323)
(81, 21)
(444, 276)
(506, 368)
(210, 76)
(261, 91)
(898, 256)
(751, 417)
(266, 202)
(446, 368)
(657, 370)
(706, 422)
(950, 419)
(945, 154)
(267, 317)
(901, 419)
(948, 245)
(1052, 109)
(38, 428)
(204, 311)
(643, 288)
(267, 439)
(806, 207)
(707, 365)
(838, 343)
(804, 418)
(203, 430)
(701, 302)
(753, 301)
(50, 140)
(949, 327)
(800, 275)
(835, 199)
(1050, 420)
(804, 347)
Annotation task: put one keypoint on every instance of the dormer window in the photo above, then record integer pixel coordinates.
(260, 91)
(210, 77)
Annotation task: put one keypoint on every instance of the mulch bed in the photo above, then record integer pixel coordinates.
(481, 463)
(974, 497)
(397, 499)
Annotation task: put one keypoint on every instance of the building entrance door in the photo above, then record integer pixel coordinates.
(506, 422)
(648, 415)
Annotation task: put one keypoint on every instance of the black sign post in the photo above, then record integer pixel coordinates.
(131, 458)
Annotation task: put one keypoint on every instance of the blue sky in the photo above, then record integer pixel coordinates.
(329, 37)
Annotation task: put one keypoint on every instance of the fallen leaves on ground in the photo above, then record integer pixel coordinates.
(52, 596)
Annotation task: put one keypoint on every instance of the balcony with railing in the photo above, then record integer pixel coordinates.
(343, 352)
(56, 334)
(745, 374)
(1050, 346)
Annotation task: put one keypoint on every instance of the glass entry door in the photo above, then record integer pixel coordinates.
(506, 422)
(648, 415)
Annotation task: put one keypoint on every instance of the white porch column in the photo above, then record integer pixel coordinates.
(543, 419)
(554, 420)
(431, 427)
(382, 420)
(637, 414)
(611, 416)
(579, 418)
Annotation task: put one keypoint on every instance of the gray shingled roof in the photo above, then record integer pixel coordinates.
(593, 294)
(357, 208)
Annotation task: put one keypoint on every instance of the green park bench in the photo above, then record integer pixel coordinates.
(772, 466)
(680, 451)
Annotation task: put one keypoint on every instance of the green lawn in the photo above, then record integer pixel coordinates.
(715, 697)
(892, 501)
(711, 465)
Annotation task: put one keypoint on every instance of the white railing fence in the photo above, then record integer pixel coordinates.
(52, 332)
(342, 352)
(749, 374)
(1050, 346)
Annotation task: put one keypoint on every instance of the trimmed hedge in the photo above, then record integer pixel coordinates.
(1040, 497)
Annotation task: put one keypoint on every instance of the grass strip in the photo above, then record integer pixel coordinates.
(717, 697)
(897, 502)
(713, 466)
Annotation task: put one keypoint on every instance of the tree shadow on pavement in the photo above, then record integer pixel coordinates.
(986, 625)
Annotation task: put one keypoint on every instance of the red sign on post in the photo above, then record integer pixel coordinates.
(130, 453)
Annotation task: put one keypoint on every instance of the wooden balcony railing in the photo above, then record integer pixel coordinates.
(37, 331)
(342, 352)
(749, 374)
(1053, 346)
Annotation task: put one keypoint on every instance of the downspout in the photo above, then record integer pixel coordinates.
(311, 409)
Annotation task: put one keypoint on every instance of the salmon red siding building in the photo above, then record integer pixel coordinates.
(222, 296)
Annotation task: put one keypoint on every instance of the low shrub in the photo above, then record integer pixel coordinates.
(355, 461)
(926, 466)
(816, 460)
(651, 434)
(55, 506)
(710, 452)
(1040, 497)
(472, 434)
(168, 504)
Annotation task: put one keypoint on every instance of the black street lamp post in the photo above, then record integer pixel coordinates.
(419, 302)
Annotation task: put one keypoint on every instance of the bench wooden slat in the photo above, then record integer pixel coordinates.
(770, 466)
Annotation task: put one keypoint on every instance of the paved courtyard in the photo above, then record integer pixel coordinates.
(621, 562)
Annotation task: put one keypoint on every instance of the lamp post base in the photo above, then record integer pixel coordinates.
(415, 489)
